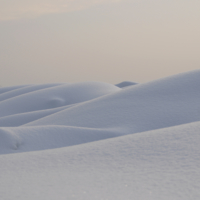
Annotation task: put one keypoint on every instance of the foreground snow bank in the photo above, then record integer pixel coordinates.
(162, 164)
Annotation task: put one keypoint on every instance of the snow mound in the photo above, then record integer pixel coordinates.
(10, 88)
(162, 103)
(125, 84)
(24, 90)
(22, 139)
(24, 118)
(56, 96)
(9, 140)
(161, 164)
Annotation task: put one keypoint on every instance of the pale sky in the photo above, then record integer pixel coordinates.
(43, 41)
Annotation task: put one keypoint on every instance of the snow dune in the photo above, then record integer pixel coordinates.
(56, 96)
(22, 139)
(24, 90)
(161, 164)
(125, 84)
(97, 141)
(10, 88)
(23, 118)
(158, 104)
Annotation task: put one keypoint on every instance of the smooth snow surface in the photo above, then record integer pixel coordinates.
(125, 84)
(95, 140)
(54, 96)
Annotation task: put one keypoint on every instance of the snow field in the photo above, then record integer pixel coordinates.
(96, 140)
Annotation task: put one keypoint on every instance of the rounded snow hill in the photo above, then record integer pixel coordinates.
(56, 96)
(35, 138)
(10, 88)
(24, 118)
(125, 84)
(26, 89)
(162, 103)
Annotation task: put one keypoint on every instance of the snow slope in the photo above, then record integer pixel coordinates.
(97, 141)
(24, 90)
(158, 104)
(22, 139)
(23, 118)
(162, 164)
(10, 88)
(55, 96)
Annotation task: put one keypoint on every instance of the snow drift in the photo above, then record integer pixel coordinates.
(97, 141)
(158, 104)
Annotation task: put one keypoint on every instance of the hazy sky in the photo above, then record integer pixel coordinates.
(97, 40)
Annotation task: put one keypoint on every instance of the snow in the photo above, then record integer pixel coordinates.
(125, 84)
(10, 88)
(24, 90)
(101, 141)
(52, 97)
(158, 104)
(23, 118)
